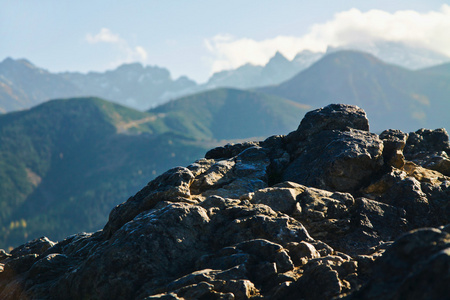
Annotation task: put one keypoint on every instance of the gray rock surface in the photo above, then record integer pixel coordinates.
(330, 211)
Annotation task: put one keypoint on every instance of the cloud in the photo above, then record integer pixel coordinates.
(429, 30)
(231, 53)
(141, 53)
(105, 36)
(127, 53)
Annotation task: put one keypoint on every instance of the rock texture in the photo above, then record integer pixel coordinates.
(330, 211)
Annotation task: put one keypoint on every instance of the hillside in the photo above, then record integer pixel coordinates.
(66, 162)
(231, 114)
(392, 96)
(439, 70)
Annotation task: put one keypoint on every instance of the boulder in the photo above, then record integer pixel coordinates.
(337, 160)
(340, 117)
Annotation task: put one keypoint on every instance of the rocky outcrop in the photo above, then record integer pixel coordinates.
(329, 211)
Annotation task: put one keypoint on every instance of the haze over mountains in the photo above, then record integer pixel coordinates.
(23, 85)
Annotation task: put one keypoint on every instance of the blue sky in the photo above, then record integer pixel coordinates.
(196, 38)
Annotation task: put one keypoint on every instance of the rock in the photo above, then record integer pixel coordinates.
(4, 255)
(429, 149)
(229, 150)
(337, 160)
(18, 265)
(302, 252)
(338, 117)
(216, 176)
(394, 141)
(134, 252)
(438, 195)
(268, 251)
(329, 211)
(425, 141)
(320, 280)
(434, 271)
(170, 186)
(409, 268)
(241, 289)
(279, 199)
(279, 157)
(231, 178)
(407, 194)
(381, 185)
(371, 223)
(36, 246)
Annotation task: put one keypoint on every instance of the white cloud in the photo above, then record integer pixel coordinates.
(105, 35)
(429, 30)
(140, 53)
(127, 53)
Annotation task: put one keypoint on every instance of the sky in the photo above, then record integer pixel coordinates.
(197, 38)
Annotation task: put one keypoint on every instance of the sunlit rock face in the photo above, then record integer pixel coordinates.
(328, 211)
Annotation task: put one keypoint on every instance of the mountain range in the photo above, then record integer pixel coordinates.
(391, 95)
(23, 85)
(63, 153)
(277, 70)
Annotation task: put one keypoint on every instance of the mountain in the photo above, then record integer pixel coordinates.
(65, 162)
(398, 53)
(392, 96)
(439, 70)
(23, 85)
(277, 70)
(280, 69)
(132, 85)
(329, 211)
(230, 113)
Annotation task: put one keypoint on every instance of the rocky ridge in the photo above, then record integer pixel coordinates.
(328, 211)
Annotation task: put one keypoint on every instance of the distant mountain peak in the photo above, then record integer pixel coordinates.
(278, 56)
(9, 62)
(136, 67)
